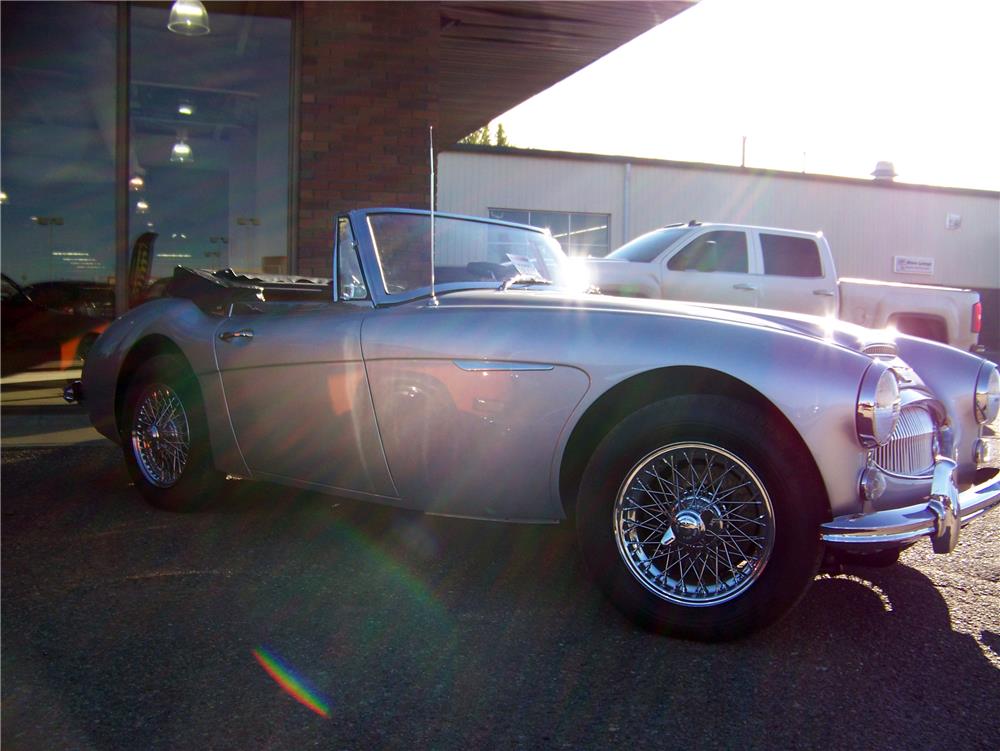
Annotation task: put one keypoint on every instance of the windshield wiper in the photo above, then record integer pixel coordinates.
(522, 279)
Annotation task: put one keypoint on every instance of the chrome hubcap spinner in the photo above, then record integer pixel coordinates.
(694, 524)
(160, 436)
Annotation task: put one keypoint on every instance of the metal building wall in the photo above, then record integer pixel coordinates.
(473, 183)
(866, 223)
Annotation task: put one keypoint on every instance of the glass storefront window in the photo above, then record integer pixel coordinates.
(209, 127)
(58, 182)
(208, 163)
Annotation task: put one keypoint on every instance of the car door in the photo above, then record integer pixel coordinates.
(470, 410)
(712, 267)
(297, 391)
(793, 276)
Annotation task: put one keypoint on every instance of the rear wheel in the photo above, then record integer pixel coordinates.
(700, 518)
(165, 437)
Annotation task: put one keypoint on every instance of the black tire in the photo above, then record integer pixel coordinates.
(187, 479)
(635, 566)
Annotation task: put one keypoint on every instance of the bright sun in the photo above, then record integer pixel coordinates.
(824, 87)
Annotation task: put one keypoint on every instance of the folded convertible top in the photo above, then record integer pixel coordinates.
(215, 291)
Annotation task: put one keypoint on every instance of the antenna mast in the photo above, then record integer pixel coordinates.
(433, 298)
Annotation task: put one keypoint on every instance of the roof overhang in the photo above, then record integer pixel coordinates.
(495, 55)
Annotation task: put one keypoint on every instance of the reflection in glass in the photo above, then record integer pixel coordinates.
(467, 253)
(58, 89)
(582, 235)
(209, 128)
(189, 18)
(181, 153)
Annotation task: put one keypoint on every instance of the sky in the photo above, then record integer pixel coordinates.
(820, 86)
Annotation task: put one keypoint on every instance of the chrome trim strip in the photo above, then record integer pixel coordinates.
(477, 366)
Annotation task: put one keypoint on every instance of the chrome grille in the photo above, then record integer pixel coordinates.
(880, 350)
(910, 450)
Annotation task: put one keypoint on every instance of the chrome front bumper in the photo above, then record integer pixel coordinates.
(940, 516)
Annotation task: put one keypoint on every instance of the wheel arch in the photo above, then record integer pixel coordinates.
(646, 388)
(145, 349)
(931, 326)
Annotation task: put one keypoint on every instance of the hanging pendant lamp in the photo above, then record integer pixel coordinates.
(189, 18)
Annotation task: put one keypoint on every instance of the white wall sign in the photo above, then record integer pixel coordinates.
(913, 265)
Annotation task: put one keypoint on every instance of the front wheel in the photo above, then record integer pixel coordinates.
(165, 437)
(699, 517)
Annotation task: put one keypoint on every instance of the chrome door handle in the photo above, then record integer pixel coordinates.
(750, 287)
(824, 292)
(228, 336)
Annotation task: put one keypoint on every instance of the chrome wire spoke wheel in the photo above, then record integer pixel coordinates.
(694, 524)
(161, 436)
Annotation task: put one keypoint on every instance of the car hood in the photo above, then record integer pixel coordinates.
(833, 330)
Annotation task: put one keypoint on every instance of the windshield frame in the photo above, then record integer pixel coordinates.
(372, 263)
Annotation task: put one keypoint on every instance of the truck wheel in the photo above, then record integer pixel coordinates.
(165, 438)
(699, 517)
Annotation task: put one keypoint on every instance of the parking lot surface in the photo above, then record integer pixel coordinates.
(130, 628)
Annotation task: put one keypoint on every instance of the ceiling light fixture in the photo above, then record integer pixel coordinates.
(188, 18)
(185, 107)
(181, 153)
(136, 183)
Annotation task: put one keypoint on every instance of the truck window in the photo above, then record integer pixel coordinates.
(722, 250)
(646, 248)
(790, 256)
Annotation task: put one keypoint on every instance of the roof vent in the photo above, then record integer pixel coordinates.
(884, 172)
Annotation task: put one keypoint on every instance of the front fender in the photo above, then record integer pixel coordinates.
(162, 324)
(813, 384)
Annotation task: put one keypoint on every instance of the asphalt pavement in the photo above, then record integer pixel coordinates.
(277, 619)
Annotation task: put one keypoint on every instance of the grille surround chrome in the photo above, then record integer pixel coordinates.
(880, 350)
(911, 449)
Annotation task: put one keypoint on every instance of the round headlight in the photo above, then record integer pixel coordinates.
(987, 394)
(878, 406)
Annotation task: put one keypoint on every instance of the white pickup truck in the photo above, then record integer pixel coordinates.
(735, 264)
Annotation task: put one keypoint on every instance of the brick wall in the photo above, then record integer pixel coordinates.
(369, 89)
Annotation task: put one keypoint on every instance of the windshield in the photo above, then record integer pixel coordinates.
(467, 253)
(645, 248)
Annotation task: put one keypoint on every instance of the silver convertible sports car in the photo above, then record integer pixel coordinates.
(710, 457)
